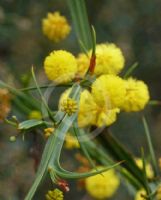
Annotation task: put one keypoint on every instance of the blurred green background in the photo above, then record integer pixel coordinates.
(135, 26)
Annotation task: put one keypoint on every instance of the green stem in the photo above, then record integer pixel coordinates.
(150, 145)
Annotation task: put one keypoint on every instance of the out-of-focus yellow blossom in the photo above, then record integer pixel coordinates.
(35, 114)
(71, 142)
(83, 62)
(87, 107)
(149, 171)
(137, 95)
(48, 132)
(60, 66)
(103, 185)
(109, 60)
(139, 194)
(106, 118)
(89, 113)
(109, 91)
(55, 194)
(69, 106)
(158, 194)
(55, 26)
(4, 103)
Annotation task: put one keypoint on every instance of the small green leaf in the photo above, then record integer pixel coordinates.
(81, 22)
(150, 145)
(147, 188)
(74, 175)
(32, 123)
(130, 70)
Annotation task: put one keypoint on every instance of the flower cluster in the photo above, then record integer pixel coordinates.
(110, 93)
(55, 27)
(71, 142)
(109, 60)
(103, 185)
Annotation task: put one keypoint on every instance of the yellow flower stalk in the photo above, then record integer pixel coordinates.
(35, 114)
(55, 27)
(55, 194)
(60, 66)
(103, 185)
(109, 60)
(71, 142)
(137, 95)
(109, 91)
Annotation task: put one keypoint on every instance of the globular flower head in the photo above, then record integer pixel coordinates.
(106, 117)
(109, 60)
(83, 62)
(109, 91)
(103, 185)
(89, 112)
(35, 114)
(69, 106)
(55, 27)
(48, 132)
(4, 103)
(71, 142)
(140, 195)
(136, 97)
(60, 66)
(87, 107)
(55, 194)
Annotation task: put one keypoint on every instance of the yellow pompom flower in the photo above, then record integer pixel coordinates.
(71, 142)
(149, 171)
(140, 195)
(109, 91)
(87, 107)
(69, 106)
(35, 114)
(137, 95)
(55, 27)
(89, 112)
(60, 66)
(106, 117)
(103, 185)
(109, 60)
(55, 194)
(83, 62)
